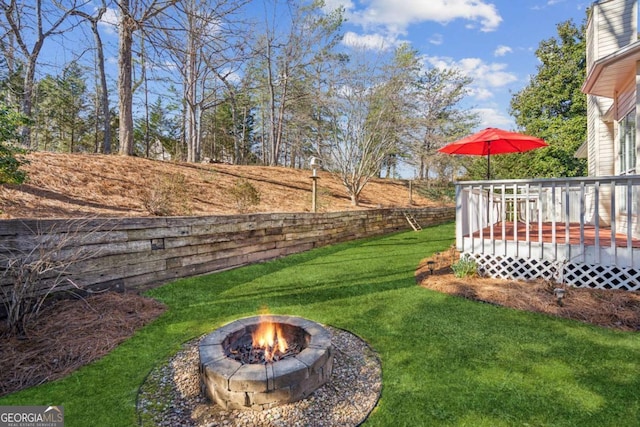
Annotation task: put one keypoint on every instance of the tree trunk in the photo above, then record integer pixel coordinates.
(102, 104)
(104, 90)
(125, 87)
(280, 128)
(145, 82)
(27, 104)
(27, 101)
(106, 114)
(191, 98)
(272, 112)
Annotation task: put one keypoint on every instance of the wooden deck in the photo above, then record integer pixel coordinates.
(588, 234)
(542, 228)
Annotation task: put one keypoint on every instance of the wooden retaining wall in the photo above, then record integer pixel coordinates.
(139, 253)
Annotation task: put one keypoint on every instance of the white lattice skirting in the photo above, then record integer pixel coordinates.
(574, 274)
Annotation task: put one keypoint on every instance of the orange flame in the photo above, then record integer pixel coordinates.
(269, 336)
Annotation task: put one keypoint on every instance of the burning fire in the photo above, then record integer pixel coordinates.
(270, 338)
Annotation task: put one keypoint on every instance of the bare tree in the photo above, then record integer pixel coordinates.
(204, 43)
(286, 58)
(93, 20)
(28, 24)
(134, 16)
(364, 104)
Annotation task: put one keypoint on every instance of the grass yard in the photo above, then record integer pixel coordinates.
(446, 360)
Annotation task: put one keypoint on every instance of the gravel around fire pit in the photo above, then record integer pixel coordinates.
(171, 394)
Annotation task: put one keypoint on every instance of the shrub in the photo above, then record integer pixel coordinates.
(438, 192)
(245, 194)
(34, 269)
(11, 155)
(167, 195)
(466, 267)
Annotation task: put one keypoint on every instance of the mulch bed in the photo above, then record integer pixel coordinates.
(607, 308)
(70, 334)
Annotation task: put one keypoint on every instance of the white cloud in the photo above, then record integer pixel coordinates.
(397, 16)
(486, 76)
(109, 21)
(490, 117)
(334, 4)
(502, 50)
(436, 39)
(481, 94)
(368, 41)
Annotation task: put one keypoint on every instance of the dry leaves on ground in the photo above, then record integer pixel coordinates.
(608, 308)
(89, 185)
(70, 334)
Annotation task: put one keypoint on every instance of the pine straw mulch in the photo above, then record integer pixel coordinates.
(69, 334)
(607, 308)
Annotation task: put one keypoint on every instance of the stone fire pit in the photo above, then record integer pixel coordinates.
(234, 385)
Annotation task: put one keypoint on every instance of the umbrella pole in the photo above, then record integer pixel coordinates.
(488, 167)
(489, 160)
(488, 177)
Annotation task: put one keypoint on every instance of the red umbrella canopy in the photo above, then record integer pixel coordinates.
(493, 141)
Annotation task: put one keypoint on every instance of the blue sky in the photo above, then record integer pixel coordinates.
(492, 41)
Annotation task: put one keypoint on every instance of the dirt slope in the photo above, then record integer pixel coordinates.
(80, 185)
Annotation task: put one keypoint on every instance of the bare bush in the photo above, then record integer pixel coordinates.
(245, 194)
(167, 195)
(34, 268)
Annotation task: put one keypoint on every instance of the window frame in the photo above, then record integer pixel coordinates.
(627, 144)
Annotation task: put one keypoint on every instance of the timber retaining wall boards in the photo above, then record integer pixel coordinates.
(139, 253)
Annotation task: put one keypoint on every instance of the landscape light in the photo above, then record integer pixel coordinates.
(559, 293)
(430, 265)
(315, 163)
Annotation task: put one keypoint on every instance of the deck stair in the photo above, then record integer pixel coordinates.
(412, 221)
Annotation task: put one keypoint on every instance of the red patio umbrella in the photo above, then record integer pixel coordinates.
(493, 141)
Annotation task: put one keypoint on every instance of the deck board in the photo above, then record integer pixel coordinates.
(547, 234)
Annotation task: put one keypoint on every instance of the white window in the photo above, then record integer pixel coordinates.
(627, 153)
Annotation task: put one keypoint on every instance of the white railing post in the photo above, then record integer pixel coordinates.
(460, 204)
(614, 246)
(629, 219)
(596, 219)
(503, 189)
(582, 212)
(554, 240)
(539, 202)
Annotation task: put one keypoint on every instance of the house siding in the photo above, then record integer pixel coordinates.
(626, 99)
(600, 136)
(615, 25)
(637, 99)
(612, 25)
(591, 45)
(592, 120)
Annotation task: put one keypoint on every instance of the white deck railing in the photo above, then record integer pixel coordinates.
(588, 220)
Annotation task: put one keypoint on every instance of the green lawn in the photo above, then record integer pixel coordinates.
(445, 360)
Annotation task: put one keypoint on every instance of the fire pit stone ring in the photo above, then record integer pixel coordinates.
(234, 385)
